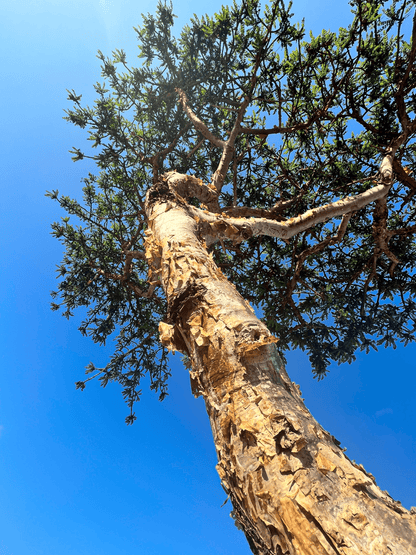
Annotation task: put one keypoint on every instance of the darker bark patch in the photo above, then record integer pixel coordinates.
(277, 439)
(396, 506)
(264, 474)
(258, 544)
(361, 488)
(288, 437)
(248, 439)
(317, 524)
(278, 539)
(305, 458)
(288, 536)
(160, 192)
(186, 302)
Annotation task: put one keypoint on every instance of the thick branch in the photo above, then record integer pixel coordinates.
(386, 167)
(248, 212)
(226, 146)
(228, 151)
(196, 122)
(188, 186)
(239, 229)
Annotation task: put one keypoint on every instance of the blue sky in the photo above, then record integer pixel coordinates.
(74, 479)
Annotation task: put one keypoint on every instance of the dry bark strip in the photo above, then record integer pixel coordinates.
(293, 489)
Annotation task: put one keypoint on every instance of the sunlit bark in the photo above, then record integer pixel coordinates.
(293, 489)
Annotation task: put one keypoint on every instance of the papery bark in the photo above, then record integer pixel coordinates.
(293, 490)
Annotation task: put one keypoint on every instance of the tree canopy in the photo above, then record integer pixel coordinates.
(279, 123)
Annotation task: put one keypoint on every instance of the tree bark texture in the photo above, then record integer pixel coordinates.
(293, 490)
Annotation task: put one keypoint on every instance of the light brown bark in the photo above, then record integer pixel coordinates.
(293, 489)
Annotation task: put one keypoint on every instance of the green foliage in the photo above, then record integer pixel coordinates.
(91, 271)
(332, 103)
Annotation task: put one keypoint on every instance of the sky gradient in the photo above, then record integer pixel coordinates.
(74, 479)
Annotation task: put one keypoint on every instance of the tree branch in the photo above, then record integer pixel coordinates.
(272, 213)
(403, 176)
(319, 113)
(317, 248)
(239, 229)
(278, 129)
(196, 122)
(381, 235)
(386, 166)
(196, 147)
(156, 158)
(228, 149)
(123, 278)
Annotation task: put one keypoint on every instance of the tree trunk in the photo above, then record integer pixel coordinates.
(293, 489)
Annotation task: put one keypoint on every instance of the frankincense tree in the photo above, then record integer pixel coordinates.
(246, 161)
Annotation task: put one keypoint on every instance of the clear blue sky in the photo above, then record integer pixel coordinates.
(73, 478)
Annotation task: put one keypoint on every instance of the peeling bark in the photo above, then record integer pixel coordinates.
(293, 490)
(239, 229)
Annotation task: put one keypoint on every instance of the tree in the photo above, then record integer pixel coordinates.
(243, 162)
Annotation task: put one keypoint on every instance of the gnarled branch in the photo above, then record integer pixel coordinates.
(239, 229)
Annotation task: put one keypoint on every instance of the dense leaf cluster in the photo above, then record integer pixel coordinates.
(322, 112)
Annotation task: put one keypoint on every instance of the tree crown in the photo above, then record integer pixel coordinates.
(278, 123)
